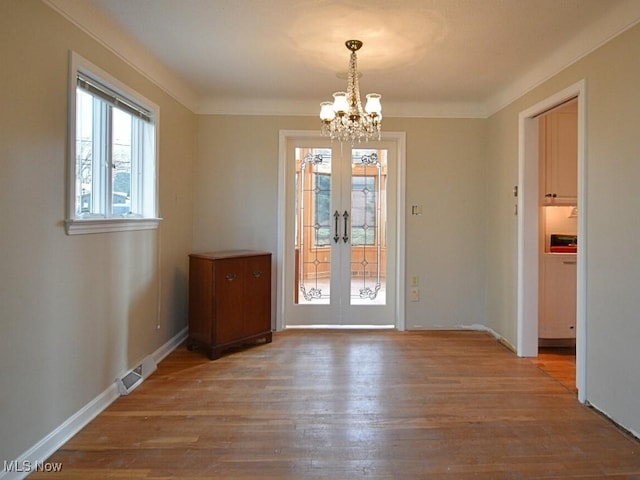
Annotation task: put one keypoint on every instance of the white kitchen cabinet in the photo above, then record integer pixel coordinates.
(557, 312)
(559, 155)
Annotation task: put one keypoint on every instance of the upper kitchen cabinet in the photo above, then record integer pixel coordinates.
(559, 155)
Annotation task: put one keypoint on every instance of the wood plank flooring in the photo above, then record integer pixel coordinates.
(351, 404)
(560, 363)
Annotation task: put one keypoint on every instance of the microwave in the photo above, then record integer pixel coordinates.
(562, 243)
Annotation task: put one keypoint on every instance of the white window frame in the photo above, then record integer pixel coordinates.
(76, 224)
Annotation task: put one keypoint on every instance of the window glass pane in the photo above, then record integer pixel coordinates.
(121, 152)
(84, 154)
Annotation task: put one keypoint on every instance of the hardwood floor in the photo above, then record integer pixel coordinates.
(351, 404)
(559, 363)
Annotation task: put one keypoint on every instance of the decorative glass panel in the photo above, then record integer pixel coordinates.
(313, 226)
(368, 220)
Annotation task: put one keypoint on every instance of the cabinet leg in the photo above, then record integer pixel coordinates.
(268, 337)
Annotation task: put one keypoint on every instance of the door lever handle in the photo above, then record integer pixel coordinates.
(336, 217)
(345, 237)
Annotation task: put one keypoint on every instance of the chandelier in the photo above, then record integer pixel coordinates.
(344, 118)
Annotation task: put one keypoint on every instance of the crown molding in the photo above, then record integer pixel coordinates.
(105, 31)
(288, 107)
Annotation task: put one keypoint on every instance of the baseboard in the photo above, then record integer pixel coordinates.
(475, 327)
(501, 340)
(162, 352)
(557, 342)
(35, 457)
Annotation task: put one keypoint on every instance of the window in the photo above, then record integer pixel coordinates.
(112, 158)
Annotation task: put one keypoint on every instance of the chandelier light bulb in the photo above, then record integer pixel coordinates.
(373, 104)
(344, 118)
(340, 103)
(326, 111)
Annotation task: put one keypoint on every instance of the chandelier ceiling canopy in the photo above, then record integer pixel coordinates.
(344, 118)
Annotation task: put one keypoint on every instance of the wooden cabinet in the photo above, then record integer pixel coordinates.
(229, 300)
(557, 313)
(559, 155)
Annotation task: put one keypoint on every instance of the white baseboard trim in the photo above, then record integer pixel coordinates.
(162, 352)
(35, 457)
(476, 327)
(500, 338)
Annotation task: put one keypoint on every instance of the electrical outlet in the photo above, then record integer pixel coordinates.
(415, 281)
(415, 294)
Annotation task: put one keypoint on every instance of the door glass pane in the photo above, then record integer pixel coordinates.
(368, 223)
(313, 234)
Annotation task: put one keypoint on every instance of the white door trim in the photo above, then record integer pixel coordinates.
(528, 231)
(400, 140)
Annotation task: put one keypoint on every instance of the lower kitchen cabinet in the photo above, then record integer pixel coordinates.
(229, 300)
(557, 312)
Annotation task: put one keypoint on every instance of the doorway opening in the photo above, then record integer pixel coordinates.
(558, 246)
(533, 238)
(341, 231)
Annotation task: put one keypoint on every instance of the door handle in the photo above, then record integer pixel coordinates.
(336, 217)
(345, 237)
(230, 276)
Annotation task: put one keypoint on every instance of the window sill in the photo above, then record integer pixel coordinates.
(108, 225)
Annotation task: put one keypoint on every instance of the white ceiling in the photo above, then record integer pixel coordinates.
(426, 57)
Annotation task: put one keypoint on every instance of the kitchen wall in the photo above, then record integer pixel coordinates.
(75, 311)
(612, 73)
(236, 201)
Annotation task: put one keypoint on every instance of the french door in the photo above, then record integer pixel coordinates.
(340, 251)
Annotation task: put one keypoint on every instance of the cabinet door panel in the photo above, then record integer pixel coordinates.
(566, 178)
(229, 303)
(200, 300)
(258, 291)
(559, 156)
(558, 306)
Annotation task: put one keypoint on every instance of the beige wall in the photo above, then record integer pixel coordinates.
(75, 311)
(446, 175)
(612, 74)
(236, 180)
(236, 203)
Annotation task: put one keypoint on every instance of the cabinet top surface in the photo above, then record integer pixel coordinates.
(230, 254)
